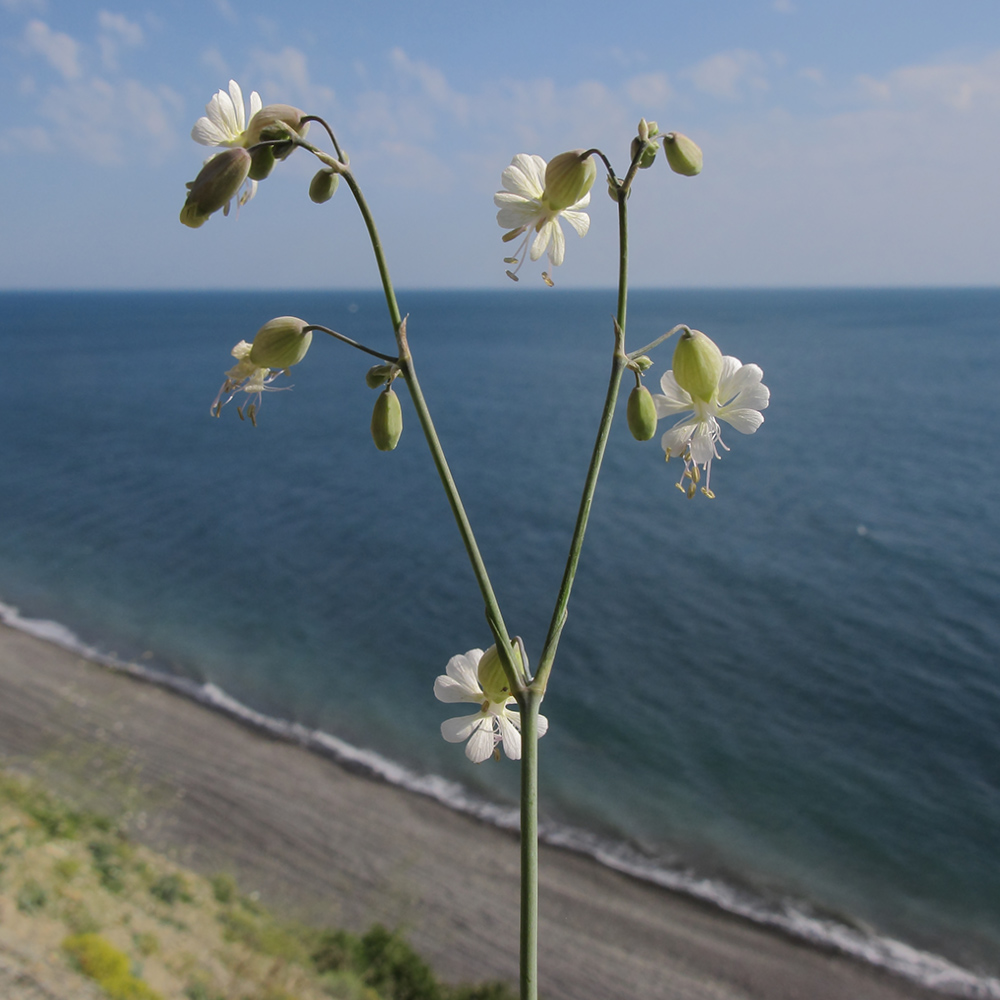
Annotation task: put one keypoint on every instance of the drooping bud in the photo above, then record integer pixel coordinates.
(281, 343)
(642, 363)
(683, 155)
(215, 186)
(641, 413)
(492, 679)
(387, 421)
(270, 124)
(262, 162)
(323, 186)
(568, 177)
(377, 375)
(697, 364)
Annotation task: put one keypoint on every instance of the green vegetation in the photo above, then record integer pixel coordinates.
(142, 928)
(108, 967)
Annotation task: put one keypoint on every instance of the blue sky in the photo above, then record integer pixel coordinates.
(847, 143)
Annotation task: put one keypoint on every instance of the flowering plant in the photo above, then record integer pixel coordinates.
(536, 197)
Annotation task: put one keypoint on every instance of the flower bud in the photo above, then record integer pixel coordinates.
(648, 154)
(642, 363)
(641, 413)
(387, 421)
(323, 186)
(281, 343)
(697, 364)
(215, 186)
(377, 375)
(683, 155)
(492, 679)
(269, 124)
(568, 177)
(262, 161)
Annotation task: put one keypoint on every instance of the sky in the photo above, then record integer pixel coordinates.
(847, 143)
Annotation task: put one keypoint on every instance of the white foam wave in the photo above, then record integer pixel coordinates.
(792, 918)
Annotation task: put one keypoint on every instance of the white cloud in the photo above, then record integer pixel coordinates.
(431, 83)
(783, 6)
(61, 51)
(116, 30)
(959, 86)
(285, 79)
(728, 75)
(651, 90)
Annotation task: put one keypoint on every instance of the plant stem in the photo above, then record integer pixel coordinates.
(405, 362)
(618, 364)
(529, 845)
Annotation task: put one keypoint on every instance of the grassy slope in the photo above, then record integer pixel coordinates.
(72, 887)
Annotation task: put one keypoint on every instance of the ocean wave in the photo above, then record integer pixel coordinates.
(791, 917)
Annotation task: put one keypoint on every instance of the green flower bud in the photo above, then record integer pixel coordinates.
(642, 363)
(683, 155)
(492, 679)
(377, 375)
(387, 421)
(262, 162)
(215, 186)
(641, 412)
(568, 177)
(697, 364)
(323, 186)
(269, 124)
(281, 343)
(648, 154)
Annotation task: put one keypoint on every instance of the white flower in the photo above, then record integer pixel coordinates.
(226, 121)
(246, 377)
(492, 725)
(523, 209)
(738, 399)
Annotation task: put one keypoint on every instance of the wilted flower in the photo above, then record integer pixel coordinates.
(226, 120)
(245, 376)
(536, 196)
(738, 399)
(494, 724)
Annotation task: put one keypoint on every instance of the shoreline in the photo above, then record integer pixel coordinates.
(326, 844)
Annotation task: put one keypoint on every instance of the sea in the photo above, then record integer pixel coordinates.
(784, 701)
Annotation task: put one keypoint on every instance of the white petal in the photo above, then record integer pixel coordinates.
(580, 221)
(462, 669)
(744, 419)
(516, 211)
(236, 96)
(543, 726)
(449, 690)
(557, 251)
(255, 103)
(702, 442)
(674, 398)
(525, 176)
(459, 729)
(541, 241)
(510, 735)
(742, 386)
(675, 440)
(482, 743)
(207, 132)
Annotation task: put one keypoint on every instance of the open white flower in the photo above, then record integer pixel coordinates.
(524, 209)
(226, 121)
(494, 724)
(738, 399)
(245, 377)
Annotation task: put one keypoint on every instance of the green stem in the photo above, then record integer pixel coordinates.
(405, 362)
(618, 364)
(529, 845)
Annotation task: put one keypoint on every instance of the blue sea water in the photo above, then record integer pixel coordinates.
(785, 700)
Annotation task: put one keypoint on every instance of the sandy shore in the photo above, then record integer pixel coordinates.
(322, 843)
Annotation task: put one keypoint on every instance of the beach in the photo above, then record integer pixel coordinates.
(326, 845)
